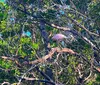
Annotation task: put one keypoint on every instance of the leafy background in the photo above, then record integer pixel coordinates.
(26, 31)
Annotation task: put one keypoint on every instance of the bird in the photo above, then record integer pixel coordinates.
(58, 37)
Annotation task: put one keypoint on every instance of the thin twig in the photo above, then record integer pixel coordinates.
(81, 26)
(32, 67)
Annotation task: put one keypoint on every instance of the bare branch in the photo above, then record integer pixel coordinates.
(5, 83)
(50, 54)
(12, 59)
(81, 26)
(60, 28)
(33, 79)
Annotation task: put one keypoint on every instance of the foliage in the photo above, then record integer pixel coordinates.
(26, 30)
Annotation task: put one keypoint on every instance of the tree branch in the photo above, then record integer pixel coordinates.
(81, 26)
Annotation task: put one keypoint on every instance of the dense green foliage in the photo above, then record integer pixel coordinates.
(26, 30)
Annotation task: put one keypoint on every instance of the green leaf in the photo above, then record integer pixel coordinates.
(3, 25)
(35, 45)
(3, 43)
(25, 40)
